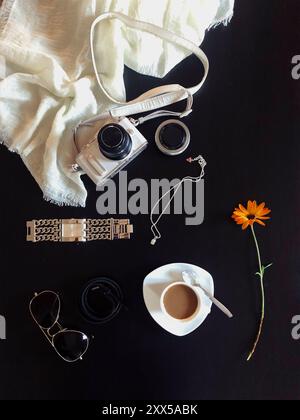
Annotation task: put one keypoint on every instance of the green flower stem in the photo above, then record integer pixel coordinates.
(261, 276)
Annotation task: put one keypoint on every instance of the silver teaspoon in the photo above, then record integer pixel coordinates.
(191, 277)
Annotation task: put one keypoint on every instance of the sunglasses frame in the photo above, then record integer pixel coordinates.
(47, 331)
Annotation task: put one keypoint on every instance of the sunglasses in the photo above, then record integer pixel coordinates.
(70, 345)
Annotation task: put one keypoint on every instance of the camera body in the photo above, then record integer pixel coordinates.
(116, 144)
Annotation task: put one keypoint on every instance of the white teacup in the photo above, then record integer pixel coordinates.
(181, 302)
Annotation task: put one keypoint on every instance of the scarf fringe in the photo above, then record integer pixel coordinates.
(224, 22)
(64, 203)
(5, 142)
(56, 198)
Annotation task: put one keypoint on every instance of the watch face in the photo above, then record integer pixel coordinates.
(172, 137)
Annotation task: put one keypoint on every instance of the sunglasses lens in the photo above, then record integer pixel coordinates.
(71, 345)
(45, 309)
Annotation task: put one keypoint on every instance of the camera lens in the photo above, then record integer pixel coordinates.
(114, 142)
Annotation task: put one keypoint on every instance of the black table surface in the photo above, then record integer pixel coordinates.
(246, 124)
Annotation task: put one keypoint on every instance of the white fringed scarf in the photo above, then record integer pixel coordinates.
(47, 83)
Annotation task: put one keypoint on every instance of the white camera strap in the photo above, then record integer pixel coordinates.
(156, 98)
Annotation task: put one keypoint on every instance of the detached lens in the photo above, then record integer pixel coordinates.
(173, 137)
(45, 309)
(71, 345)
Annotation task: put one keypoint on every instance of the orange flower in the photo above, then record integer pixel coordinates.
(253, 214)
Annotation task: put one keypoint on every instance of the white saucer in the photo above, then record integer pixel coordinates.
(159, 279)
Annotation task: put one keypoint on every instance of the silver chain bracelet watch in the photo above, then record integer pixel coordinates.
(78, 230)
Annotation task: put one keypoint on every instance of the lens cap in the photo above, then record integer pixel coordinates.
(173, 137)
(114, 142)
(101, 300)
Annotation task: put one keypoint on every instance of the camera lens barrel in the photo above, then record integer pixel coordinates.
(115, 142)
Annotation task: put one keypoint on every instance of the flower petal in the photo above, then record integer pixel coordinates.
(245, 225)
(240, 220)
(252, 206)
(265, 211)
(260, 222)
(239, 213)
(243, 209)
(260, 208)
(249, 207)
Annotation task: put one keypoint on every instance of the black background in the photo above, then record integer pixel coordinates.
(246, 124)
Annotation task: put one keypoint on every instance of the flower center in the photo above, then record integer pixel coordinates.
(251, 217)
